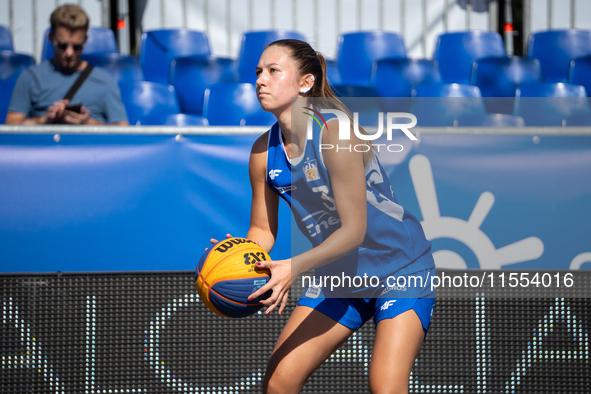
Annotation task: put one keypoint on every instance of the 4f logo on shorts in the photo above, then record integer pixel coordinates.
(387, 305)
(311, 171)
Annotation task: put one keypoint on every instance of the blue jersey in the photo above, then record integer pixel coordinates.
(394, 243)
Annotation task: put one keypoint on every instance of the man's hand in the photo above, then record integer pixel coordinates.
(71, 117)
(55, 112)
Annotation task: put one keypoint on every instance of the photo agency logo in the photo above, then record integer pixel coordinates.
(345, 130)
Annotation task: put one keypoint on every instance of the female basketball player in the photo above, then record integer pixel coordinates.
(363, 231)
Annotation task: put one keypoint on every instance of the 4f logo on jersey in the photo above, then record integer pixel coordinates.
(387, 305)
(274, 174)
(311, 170)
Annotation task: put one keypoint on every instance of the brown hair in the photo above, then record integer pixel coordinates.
(308, 61)
(70, 16)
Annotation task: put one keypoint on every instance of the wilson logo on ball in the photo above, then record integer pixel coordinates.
(229, 244)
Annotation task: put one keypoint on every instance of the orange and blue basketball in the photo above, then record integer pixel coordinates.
(226, 275)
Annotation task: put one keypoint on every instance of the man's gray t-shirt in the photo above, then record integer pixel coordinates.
(38, 87)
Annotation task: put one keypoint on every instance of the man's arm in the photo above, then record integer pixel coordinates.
(18, 118)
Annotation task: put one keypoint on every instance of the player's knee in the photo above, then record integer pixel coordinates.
(280, 381)
(389, 388)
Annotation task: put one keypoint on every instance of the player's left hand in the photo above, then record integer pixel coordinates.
(281, 281)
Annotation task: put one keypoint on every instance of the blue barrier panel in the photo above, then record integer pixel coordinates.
(121, 202)
(501, 201)
(151, 202)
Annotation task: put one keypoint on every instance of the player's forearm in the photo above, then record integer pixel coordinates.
(265, 238)
(341, 242)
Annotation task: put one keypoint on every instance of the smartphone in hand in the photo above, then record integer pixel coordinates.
(74, 107)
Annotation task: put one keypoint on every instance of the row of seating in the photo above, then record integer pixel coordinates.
(455, 52)
(434, 104)
(390, 77)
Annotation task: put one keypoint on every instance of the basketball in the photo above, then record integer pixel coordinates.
(226, 275)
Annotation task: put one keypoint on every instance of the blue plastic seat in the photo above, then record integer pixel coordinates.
(172, 120)
(12, 64)
(121, 67)
(556, 48)
(395, 77)
(498, 78)
(393, 80)
(5, 39)
(262, 118)
(226, 104)
(100, 40)
(357, 52)
(147, 98)
(332, 72)
(455, 53)
(446, 90)
(191, 75)
(442, 104)
(6, 88)
(353, 91)
(490, 120)
(547, 104)
(160, 47)
(580, 73)
(252, 45)
(362, 100)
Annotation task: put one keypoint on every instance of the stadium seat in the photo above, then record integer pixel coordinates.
(252, 45)
(547, 104)
(498, 78)
(490, 120)
(367, 107)
(121, 67)
(147, 98)
(11, 64)
(6, 87)
(393, 80)
(160, 47)
(226, 104)
(100, 40)
(395, 77)
(332, 73)
(262, 118)
(455, 53)
(353, 91)
(191, 75)
(442, 104)
(357, 52)
(5, 39)
(580, 73)
(556, 48)
(172, 120)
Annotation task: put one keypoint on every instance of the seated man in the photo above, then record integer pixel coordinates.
(38, 97)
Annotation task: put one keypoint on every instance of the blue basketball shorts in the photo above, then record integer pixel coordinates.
(354, 312)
